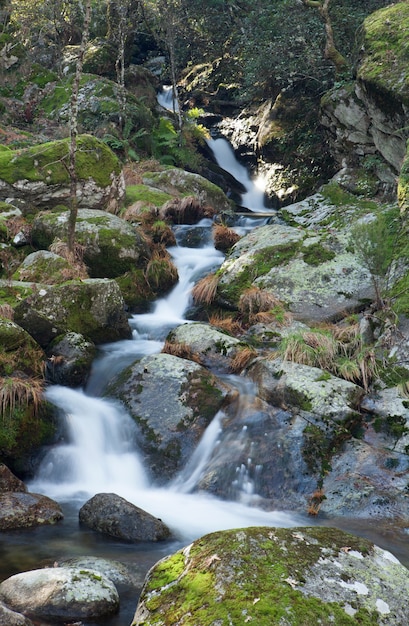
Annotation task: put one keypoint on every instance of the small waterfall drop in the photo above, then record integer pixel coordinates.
(254, 196)
(166, 100)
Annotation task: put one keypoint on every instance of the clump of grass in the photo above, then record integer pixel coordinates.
(338, 350)
(188, 210)
(204, 292)
(17, 392)
(241, 359)
(258, 306)
(224, 237)
(6, 311)
(315, 502)
(160, 272)
(181, 350)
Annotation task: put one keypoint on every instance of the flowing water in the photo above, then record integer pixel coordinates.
(98, 454)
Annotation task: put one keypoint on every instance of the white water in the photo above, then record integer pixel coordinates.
(254, 196)
(99, 454)
(166, 100)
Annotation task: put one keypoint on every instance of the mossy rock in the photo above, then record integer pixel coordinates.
(93, 308)
(298, 577)
(179, 183)
(112, 246)
(386, 54)
(19, 352)
(147, 195)
(38, 176)
(43, 267)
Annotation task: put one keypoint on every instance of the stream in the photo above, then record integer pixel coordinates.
(98, 453)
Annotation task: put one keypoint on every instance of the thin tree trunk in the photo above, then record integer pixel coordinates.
(72, 221)
(331, 52)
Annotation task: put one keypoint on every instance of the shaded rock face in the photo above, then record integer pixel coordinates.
(367, 121)
(93, 308)
(111, 245)
(69, 360)
(11, 618)
(172, 400)
(60, 593)
(115, 516)
(276, 576)
(23, 510)
(10, 482)
(43, 267)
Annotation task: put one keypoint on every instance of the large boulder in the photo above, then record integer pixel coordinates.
(112, 246)
(61, 593)
(110, 514)
(172, 400)
(268, 576)
(93, 308)
(24, 510)
(315, 274)
(38, 178)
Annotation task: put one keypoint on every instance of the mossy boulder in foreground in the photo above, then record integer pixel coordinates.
(267, 576)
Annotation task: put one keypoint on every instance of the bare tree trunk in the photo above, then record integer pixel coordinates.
(74, 132)
(331, 52)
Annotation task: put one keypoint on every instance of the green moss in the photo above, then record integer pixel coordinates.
(203, 396)
(316, 254)
(403, 184)
(48, 162)
(386, 52)
(200, 591)
(142, 193)
(135, 290)
(12, 294)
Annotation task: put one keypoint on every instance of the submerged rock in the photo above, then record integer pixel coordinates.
(271, 576)
(61, 593)
(115, 516)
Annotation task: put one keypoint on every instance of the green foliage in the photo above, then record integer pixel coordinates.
(376, 243)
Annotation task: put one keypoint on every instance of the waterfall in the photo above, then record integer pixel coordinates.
(254, 196)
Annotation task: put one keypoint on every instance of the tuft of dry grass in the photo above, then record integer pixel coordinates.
(315, 502)
(75, 258)
(241, 359)
(160, 271)
(133, 172)
(224, 237)
(17, 392)
(188, 210)
(181, 350)
(204, 292)
(226, 322)
(6, 311)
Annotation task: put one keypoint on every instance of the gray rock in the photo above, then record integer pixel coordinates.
(43, 267)
(172, 400)
(121, 574)
(60, 593)
(110, 514)
(276, 576)
(316, 276)
(214, 348)
(23, 510)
